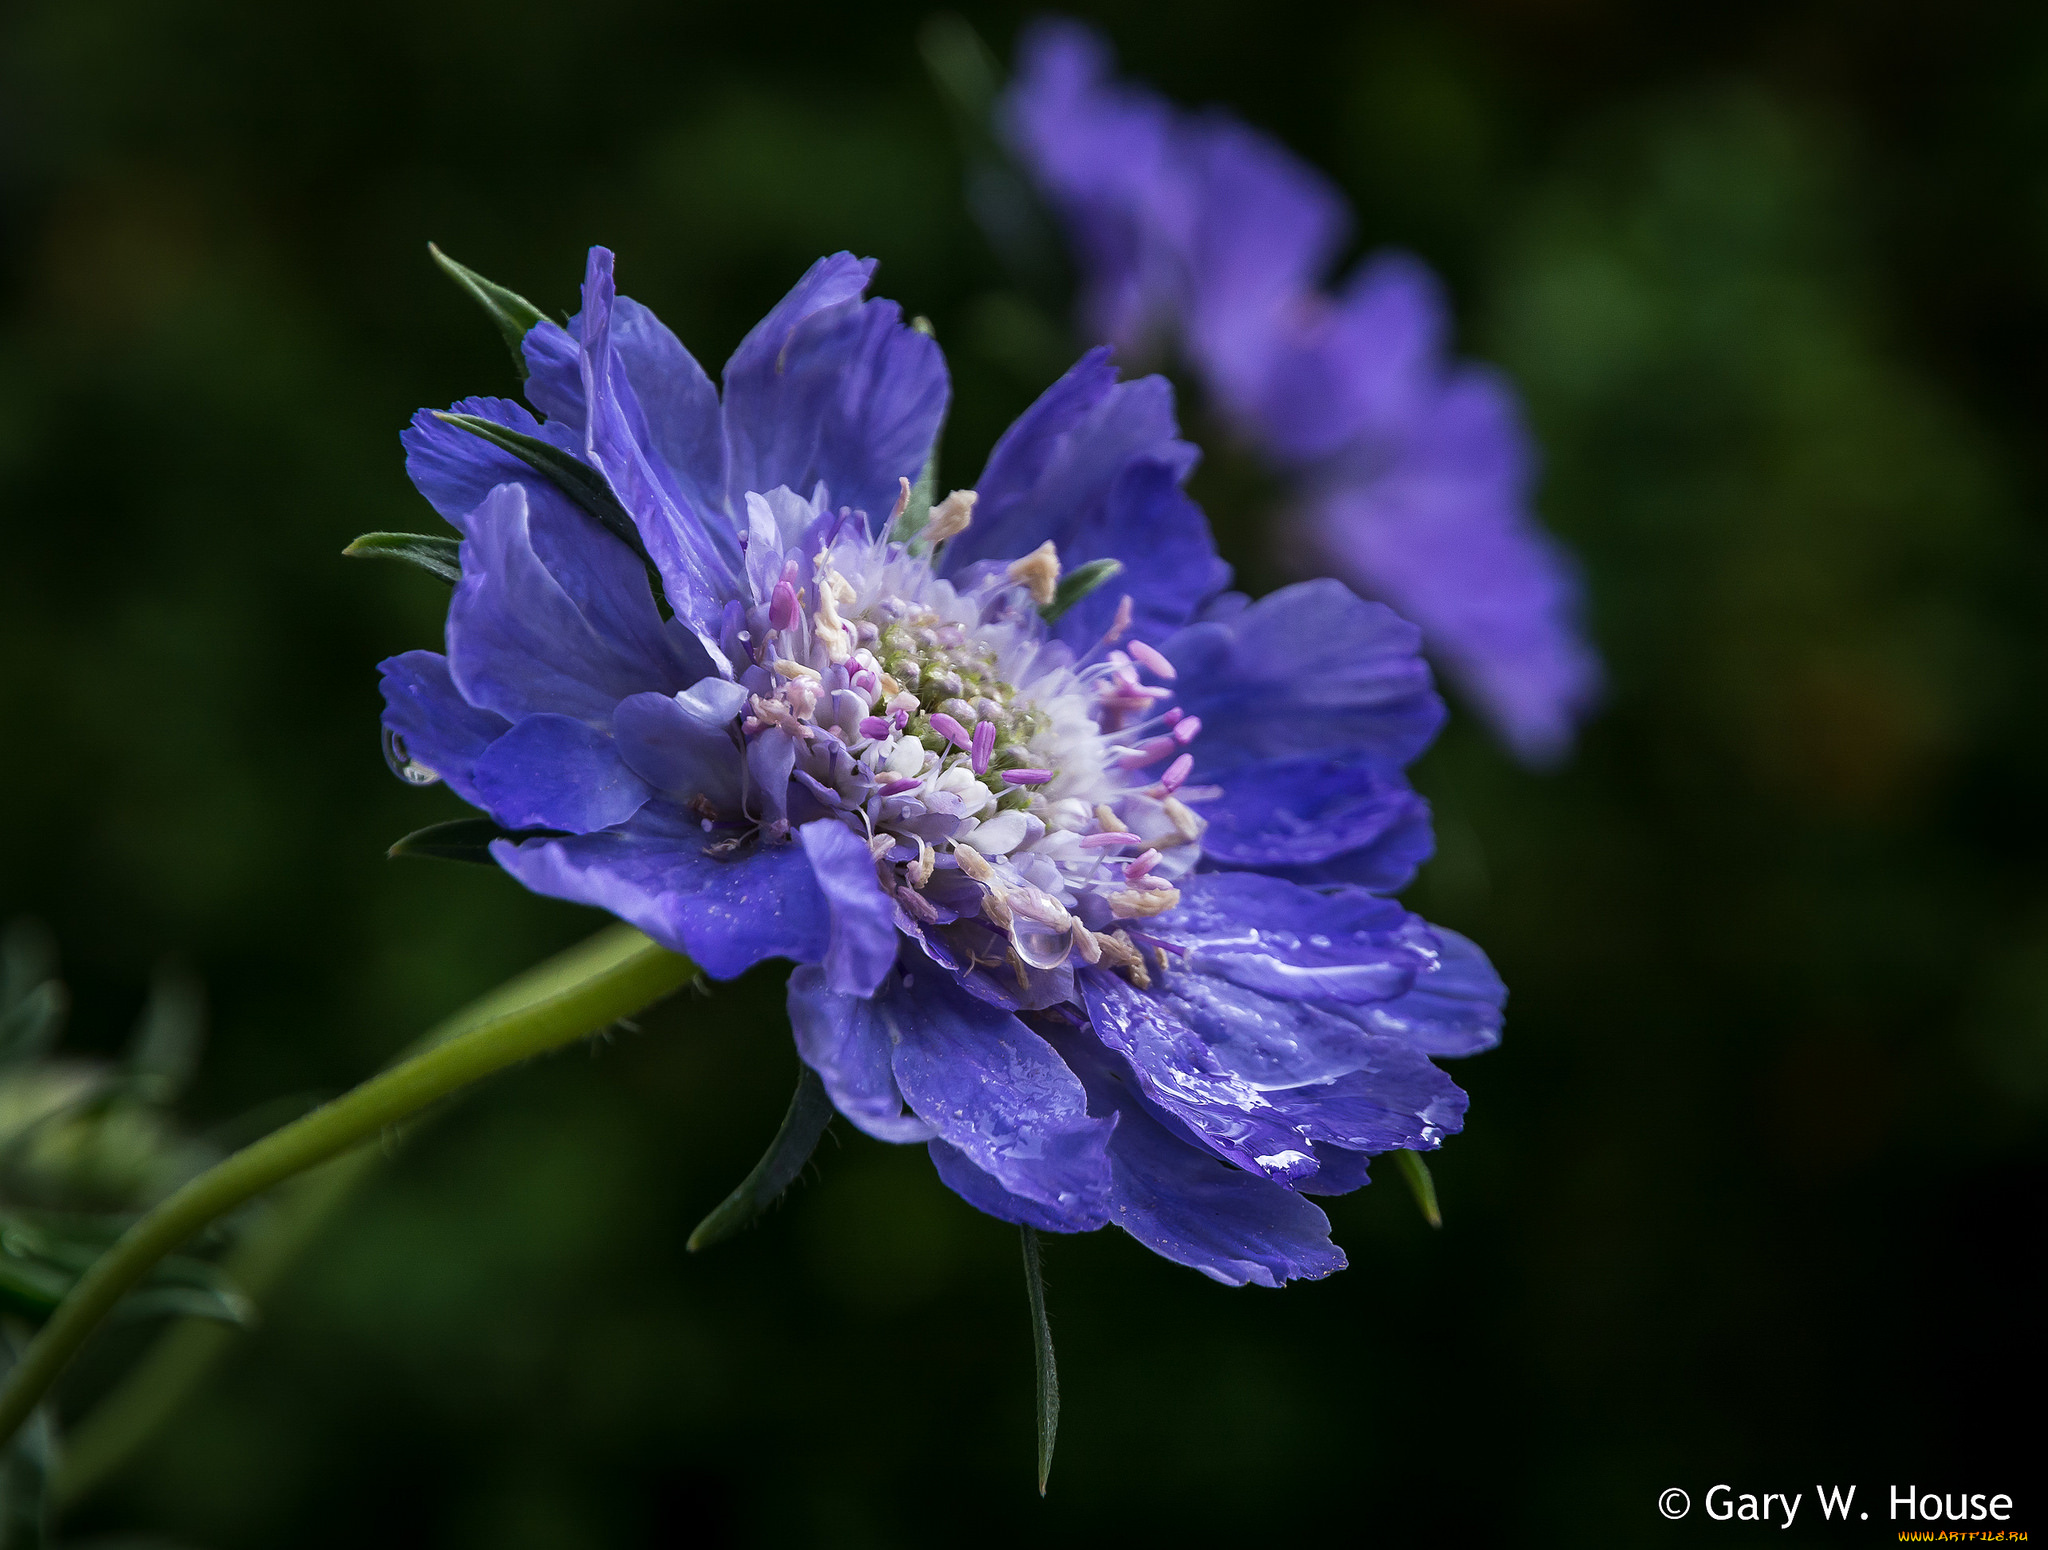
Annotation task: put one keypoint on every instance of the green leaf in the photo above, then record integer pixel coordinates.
(1077, 584)
(1048, 1374)
(436, 555)
(513, 313)
(462, 839)
(165, 1050)
(575, 478)
(810, 1110)
(917, 514)
(1416, 1172)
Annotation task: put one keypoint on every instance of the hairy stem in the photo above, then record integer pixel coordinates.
(626, 974)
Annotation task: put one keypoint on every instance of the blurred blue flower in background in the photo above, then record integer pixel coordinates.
(1410, 472)
(1082, 857)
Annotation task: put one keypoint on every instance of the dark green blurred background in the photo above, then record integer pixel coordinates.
(1751, 1193)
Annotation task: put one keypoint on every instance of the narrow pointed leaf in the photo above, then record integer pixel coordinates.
(1416, 1172)
(436, 555)
(216, 1304)
(1077, 584)
(513, 314)
(575, 478)
(1048, 1373)
(462, 839)
(810, 1110)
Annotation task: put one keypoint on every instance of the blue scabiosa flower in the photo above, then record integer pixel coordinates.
(1411, 473)
(1086, 888)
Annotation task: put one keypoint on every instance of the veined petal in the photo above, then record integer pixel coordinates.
(1318, 820)
(829, 388)
(1310, 669)
(1183, 1202)
(980, 1190)
(1279, 939)
(726, 912)
(520, 641)
(1095, 467)
(1000, 1094)
(556, 772)
(696, 566)
(682, 746)
(1454, 1007)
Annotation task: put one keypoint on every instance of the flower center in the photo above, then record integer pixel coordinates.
(1022, 804)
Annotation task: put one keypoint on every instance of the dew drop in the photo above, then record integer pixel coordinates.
(403, 764)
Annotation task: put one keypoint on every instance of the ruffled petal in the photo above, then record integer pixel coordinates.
(1262, 1081)
(530, 633)
(682, 745)
(440, 729)
(1183, 1202)
(1280, 939)
(1095, 466)
(455, 470)
(829, 388)
(864, 942)
(556, 772)
(998, 1092)
(1454, 1008)
(1296, 817)
(1310, 669)
(981, 1191)
(846, 1042)
(726, 912)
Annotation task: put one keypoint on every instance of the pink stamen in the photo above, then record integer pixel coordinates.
(1185, 732)
(1139, 865)
(1173, 716)
(951, 730)
(1107, 841)
(1122, 621)
(1026, 777)
(875, 726)
(1151, 751)
(896, 788)
(984, 746)
(1177, 772)
(782, 607)
(1159, 666)
(899, 719)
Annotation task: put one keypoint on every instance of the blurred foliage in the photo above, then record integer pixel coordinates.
(1752, 1188)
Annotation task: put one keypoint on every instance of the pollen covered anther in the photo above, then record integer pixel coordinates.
(1039, 571)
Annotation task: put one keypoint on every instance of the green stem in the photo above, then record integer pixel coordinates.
(115, 1428)
(633, 974)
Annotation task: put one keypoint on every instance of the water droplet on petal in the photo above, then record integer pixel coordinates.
(403, 764)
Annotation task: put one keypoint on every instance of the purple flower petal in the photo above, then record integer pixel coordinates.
(1310, 669)
(682, 744)
(440, 729)
(726, 912)
(1190, 1206)
(834, 389)
(520, 642)
(843, 1039)
(1280, 939)
(1319, 820)
(555, 772)
(998, 1092)
(863, 937)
